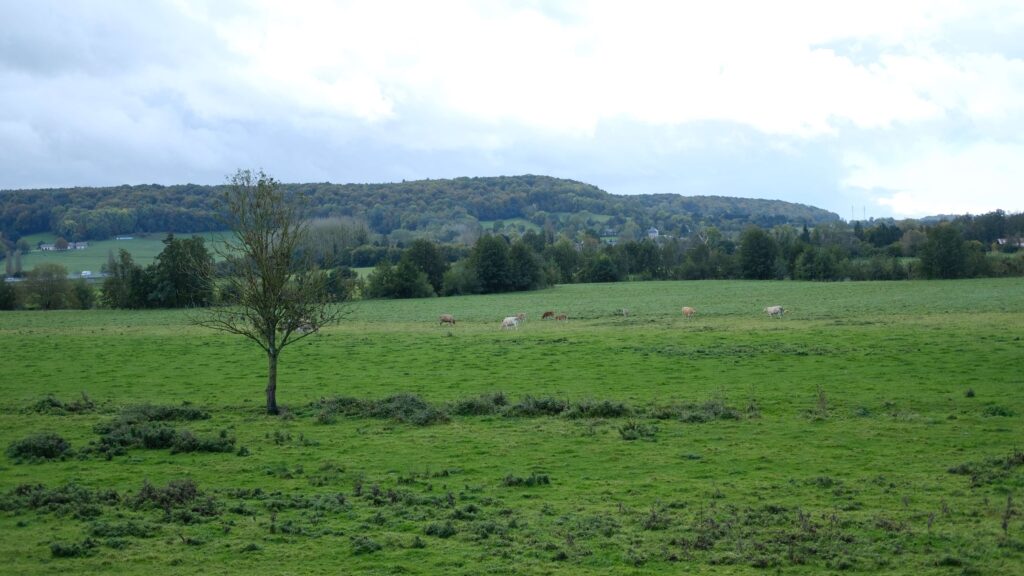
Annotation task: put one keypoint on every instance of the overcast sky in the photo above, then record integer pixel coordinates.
(892, 108)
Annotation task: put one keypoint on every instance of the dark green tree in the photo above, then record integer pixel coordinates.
(182, 275)
(47, 286)
(943, 254)
(8, 296)
(490, 260)
(425, 255)
(525, 267)
(757, 254)
(127, 285)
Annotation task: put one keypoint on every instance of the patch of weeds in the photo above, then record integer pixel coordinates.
(634, 430)
(181, 501)
(127, 528)
(81, 549)
(594, 409)
(482, 405)
(862, 412)
(39, 448)
(713, 409)
(53, 405)
(656, 520)
(67, 500)
(991, 470)
(446, 530)
(530, 406)
(185, 441)
(406, 408)
(251, 547)
(969, 393)
(533, 479)
(996, 410)
(364, 545)
(144, 426)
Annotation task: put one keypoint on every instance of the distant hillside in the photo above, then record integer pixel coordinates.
(446, 210)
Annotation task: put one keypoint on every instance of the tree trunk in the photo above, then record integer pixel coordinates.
(272, 383)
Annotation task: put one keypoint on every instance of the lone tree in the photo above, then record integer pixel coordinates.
(272, 296)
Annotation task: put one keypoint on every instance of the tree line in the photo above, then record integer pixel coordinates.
(455, 210)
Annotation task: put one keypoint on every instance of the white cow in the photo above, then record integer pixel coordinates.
(510, 322)
(774, 311)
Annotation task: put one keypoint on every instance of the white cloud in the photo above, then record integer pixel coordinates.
(937, 178)
(195, 87)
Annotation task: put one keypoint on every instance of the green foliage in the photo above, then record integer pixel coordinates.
(47, 287)
(757, 254)
(490, 261)
(944, 254)
(39, 447)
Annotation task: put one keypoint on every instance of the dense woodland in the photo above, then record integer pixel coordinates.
(425, 239)
(440, 210)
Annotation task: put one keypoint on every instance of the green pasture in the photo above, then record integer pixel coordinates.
(144, 250)
(875, 429)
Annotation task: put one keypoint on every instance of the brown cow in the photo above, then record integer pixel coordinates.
(561, 317)
(447, 319)
(689, 312)
(548, 314)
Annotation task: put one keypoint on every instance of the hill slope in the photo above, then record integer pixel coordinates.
(442, 209)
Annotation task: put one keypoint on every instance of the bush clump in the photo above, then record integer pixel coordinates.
(594, 409)
(533, 479)
(39, 447)
(446, 530)
(482, 405)
(81, 549)
(531, 406)
(53, 405)
(634, 430)
(364, 545)
(406, 408)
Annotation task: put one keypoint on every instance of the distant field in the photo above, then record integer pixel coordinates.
(144, 249)
(875, 429)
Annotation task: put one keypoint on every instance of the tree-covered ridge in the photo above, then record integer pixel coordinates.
(449, 210)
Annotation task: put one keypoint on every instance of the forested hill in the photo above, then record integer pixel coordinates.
(446, 210)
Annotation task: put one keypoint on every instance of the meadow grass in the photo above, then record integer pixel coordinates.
(143, 248)
(876, 428)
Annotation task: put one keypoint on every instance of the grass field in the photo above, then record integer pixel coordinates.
(144, 250)
(876, 428)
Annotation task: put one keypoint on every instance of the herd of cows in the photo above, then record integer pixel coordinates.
(513, 322)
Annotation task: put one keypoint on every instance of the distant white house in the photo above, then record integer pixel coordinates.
(124, 238)
(1011, 242)
(86, 273)
(71, 246)
(652, 233)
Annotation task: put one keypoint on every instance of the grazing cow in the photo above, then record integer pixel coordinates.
(774, 311)
(688, 312)
(625, 311)
(521, 317)
(510, 322)
(447, 319)
(305, 326)
(548, 314)
(561, 317)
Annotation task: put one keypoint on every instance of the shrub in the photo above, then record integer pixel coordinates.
(74, 549)
(594, 409)
(633, 430)
(446, 530)
(185, 441)
(364, 545)
(128, 528)
(533, 480)
(39, 447)
(997, 411)
(530, 406)
(482, 405)
(53, 405)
